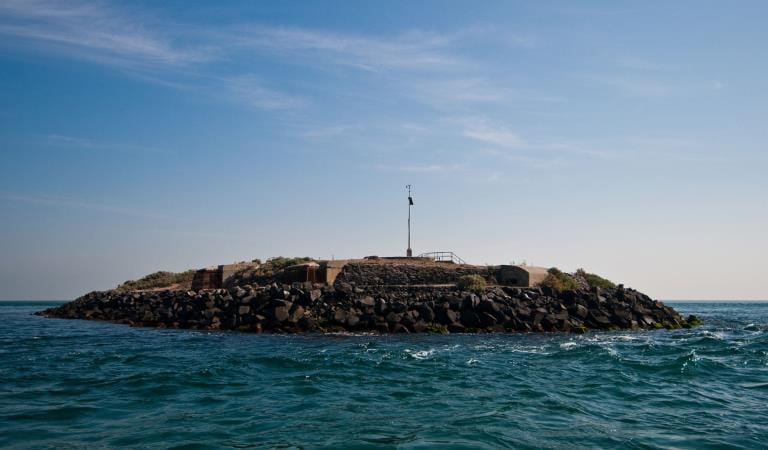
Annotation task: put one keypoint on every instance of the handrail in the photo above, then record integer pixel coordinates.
(443, 256)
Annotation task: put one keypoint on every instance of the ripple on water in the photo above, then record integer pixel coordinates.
(90, 384)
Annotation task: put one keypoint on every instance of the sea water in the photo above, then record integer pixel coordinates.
(78, 384)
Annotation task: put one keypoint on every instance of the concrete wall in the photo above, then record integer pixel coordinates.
(372, 274)
(208, 278)
(227, 270)
(521, 276)
(215, 277)
(329, 270)
(300, 273)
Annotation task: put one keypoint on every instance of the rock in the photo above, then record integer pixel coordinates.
(296, 314)
(366, 302)
(397, 307)
(306, 323)
(487, 320)
(394, 317)
(426, 313)
(470, 302)
(305, 306)
(601, 320)
(340, 316)
(400, 328)
(470, 319)
(446, 316)
(280, 313)
(581, 311)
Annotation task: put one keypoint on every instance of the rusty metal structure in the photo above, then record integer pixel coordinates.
(443, 257)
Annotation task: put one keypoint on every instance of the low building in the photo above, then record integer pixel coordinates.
(521, 276)
(214, 277)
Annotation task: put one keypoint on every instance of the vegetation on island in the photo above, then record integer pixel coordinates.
(594, 280)
(164, 279)
(281, 262)
(561, 281)
(472, 283)
(158, 279)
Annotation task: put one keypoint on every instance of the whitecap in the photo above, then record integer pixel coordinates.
(421, 354)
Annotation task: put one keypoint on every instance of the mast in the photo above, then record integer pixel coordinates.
(409, 252)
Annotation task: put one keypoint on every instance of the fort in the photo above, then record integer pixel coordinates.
(373, 270)
(380, 294)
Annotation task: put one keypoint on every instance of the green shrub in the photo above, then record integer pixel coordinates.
(281, 262)
(472, 282)
(157, 280)
(560, 281)
(595, 280)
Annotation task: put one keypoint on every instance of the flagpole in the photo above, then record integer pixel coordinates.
(409, 252)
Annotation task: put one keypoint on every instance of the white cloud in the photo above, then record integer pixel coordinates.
(92, 31)
(412, 50)
(79, 204)
(643, 64)
(425, 168)
(463, 90)
(492, 133)
(634, 87)
(60, 140)
(450, 92)
(249, 90)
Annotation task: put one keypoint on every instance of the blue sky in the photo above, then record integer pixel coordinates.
(627, 138)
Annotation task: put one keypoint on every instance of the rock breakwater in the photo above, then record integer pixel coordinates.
(307, 307)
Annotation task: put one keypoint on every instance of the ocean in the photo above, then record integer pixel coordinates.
(84, 384)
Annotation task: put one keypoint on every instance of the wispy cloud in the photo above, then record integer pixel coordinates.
(60, 140)
(121, 38)
(633, 86)
(250, 90)
(93, 31)
(491, 133)
(647, 87)
(60, 202)
(424, 168)
(467, 91)
(182, 56)
(643, 64)
(412, 50)
(331, 131)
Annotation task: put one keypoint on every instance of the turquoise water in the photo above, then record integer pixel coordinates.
(70, 383)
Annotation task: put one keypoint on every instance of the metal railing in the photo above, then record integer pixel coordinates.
(443, 257)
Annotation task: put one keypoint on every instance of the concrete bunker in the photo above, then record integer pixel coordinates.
(521, 276)
(214, 277)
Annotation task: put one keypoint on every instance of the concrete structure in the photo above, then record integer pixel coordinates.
(329, 270)
(301, 273)
(373, 270)
(521, 276)
(214, 277)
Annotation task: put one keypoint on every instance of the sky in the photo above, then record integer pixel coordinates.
(625, 138)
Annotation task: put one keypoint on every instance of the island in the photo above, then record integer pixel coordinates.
(375, 294)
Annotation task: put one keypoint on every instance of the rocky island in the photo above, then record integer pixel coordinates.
(375, 294)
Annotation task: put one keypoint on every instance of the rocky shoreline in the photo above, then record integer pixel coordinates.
(311, 307)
